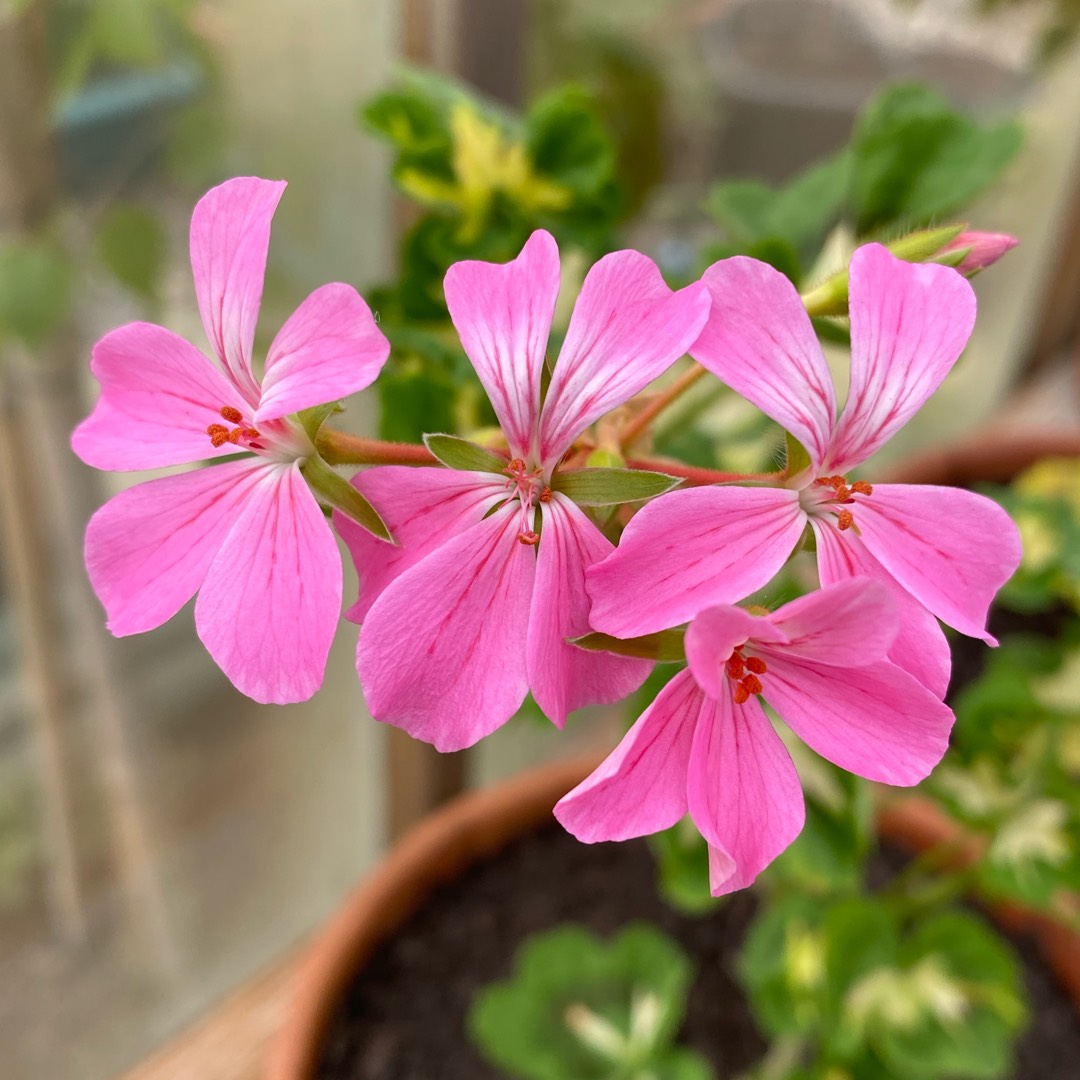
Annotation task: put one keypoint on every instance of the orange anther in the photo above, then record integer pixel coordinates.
(249, 433)
(529, 538)
(545, 495)
(844, 520)
(822, 481)
(843, 492)
(751, 684)
(234, 435)
(735, 668)
(516, 465)
(862, 487)
(837, 481)
(234, 416)
(741, 694)
(756, 665)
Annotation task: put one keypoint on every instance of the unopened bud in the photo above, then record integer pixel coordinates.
(983, 249)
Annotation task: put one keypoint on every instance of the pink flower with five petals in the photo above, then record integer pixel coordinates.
(246, 534)
(941, 551)
(706, 748)
(474, 607)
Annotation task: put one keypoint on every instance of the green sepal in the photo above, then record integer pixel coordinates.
(610, 487)
(457, 453)
(333, 489)
(798, 458)
(313, 419)
(665, 647)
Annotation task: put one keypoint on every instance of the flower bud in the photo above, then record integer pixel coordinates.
(983, 249)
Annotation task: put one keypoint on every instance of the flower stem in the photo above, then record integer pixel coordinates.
(697, 477)
(337, 448)
(657, 404)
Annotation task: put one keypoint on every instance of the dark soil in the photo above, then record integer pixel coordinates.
(404, 1019)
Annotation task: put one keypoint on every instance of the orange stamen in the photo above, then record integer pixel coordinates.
(844, 520)
(751, 684)
(735, 668)
(530, 538)
(862, 487)
(756, 665)
(545, 495)
(742, 695)
(234, 416)
(843, 492)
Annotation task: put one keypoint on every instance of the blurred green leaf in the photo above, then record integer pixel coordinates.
(131, 243)
(682, 863)
(36, 282)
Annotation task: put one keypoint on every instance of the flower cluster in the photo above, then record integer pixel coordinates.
(480, 567)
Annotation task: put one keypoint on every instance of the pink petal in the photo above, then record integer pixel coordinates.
(876, 721)
(759, 340)
(714, 635)
(563, 677)
(951, 549)
(269, 607)
(743, 792)
(442, 650)
(641, 786)
(329, 348)
(423, 508)
(503, 314)
(158, 396)
(920, 646)
(230, 236)
(909, 325)
(627, 328)
(689, 550)
(850, 623)
(148, 549)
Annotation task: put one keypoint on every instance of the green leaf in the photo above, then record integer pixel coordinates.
(36, 281)
(131, 243)
(458, 453)
(567, 142)
(334, 490)
(666, 646)
(610, 487)
(682, 863)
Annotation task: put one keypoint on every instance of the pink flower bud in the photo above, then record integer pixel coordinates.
(986, 249)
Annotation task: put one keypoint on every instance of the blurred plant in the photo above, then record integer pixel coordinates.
(580, 1007)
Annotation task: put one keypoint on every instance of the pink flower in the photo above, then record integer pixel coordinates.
(474, 608)
(939, 550)
(706, 748)
(247, 534)
(986, 249)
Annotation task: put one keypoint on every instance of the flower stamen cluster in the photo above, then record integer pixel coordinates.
(523, 484)
(240, 435)
(744, 671)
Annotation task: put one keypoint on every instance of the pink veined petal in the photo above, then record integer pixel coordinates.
(909, 325)
(148, 549)
(950, 548)
(503, 314)
(423, 509)
(230, 237)
(920, 646)
(689, 550)
(714, 635)
(759, 340)
(876, 721)
(329, 348)
(640, 788)
(269, 606)
(627, 329)
(743, 792)
(442, 650)
(852, 622)
(563, 677)
(158, 396)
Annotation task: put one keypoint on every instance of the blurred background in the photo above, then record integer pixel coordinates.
(163, 841)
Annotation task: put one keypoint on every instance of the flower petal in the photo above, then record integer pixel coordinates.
(627, 329)
(743, 792)
(759, 340)
(714, 635)
(503, 314)
(269, 607)
(876, 721)
(909, 325)
(442, 650)
(851, 623)
(563, 677)
(689, 550)
(950, 548)
(423, 509)
(920, 646)
(230, 236)
(149, 548)
(329, 348)
(641, 786)
(158, 396)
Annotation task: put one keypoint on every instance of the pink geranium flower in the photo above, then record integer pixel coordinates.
(247, 534)
(706, 748)
(474, 608)
(939, 550)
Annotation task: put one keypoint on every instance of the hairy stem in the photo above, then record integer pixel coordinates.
(337, 448)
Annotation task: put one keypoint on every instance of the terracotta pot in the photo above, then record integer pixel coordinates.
(476, 827)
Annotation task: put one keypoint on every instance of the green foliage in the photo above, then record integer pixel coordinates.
(580, 1007)
(912, 160)
(682, 867)
(458, 453)
(865, 991)
(131, 243)
(36, 282)
(612, 487)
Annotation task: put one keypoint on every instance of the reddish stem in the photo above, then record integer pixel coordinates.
(337, 448)
(696, 476)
